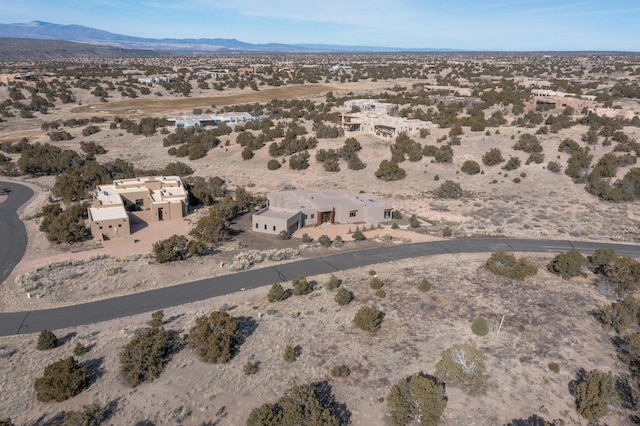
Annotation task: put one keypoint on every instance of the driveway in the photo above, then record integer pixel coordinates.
(13, 236)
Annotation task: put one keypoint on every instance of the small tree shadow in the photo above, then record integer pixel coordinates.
(325, 395)
(173, 318)
(67, 338)
(248, 326)
(95, 369)
(44, 421)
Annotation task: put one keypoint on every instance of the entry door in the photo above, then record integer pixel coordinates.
(160, 214)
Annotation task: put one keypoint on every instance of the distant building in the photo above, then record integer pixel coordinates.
(292, 210)
(372, 117)
(126, 201)
(558, 100)
(212, 120)
(156, 80)
(250, 70)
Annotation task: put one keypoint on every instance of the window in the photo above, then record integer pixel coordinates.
(313, 215)
(305, 216)
(110, 226)
(139, 202)
(353, 213)
(100, 227)
(387, 214)
(257, 226)
(119, 225)
(274, 228)
(265, 226)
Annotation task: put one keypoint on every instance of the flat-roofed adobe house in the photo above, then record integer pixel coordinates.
(292, 210)
(139, 200)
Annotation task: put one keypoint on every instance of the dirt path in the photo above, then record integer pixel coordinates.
(162, 105)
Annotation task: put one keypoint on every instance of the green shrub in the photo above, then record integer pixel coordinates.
(291, 353)
(554, 366)
(492, 157)
(358, 236)
(306, 238)
(324, 240)
(368, 318)
(273, 165)
(390, 171)
(376, 283)
(463, 365)
(343, 296)
(62, 380)
(284, 235)
(397, 215)
(157, 319)
(621, 314)
(337, 242)
(470, 167)
(593, 394)
(512, 164)
(532, 420)
(395, 225)
(569, 264)
(300, 405)
(554, 166)
(90, 415)
(301, 286)
(424, 285)
(414, 222)
(449, 190)
(419, 397)
(480, 326)
(333, 283)
(47, 340)
(80, 349)
(506, 265)
(276, 293)
(340, 371)
(381, 293)
(177, 247)
(215, 337)
(145, 356)
(250, 368)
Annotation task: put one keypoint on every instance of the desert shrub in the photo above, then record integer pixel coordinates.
(368, 318)
(340, 371)
(300, 405)
(617, 275)
(64, 226)
(301, 286)
(506, 265)
(177, 247)
(145, 356)
(390, 171)
(250, 368)
(284, 235)
(569, 264)
(215, 337)
(463, 365)
(620, 314)
(299, 161)
(47, 340)
(528, 143)
(90, 415)
(449, 190)
(492, 157)
(593, 394)
(535, 157)
(554, 166)
(358, 236)
(376, 283)
(480, 326)
(337, 242)
(61, 380)
(414, 222)
(444, 154)
(512, 164)
(424, 285)
(429, 150)
(276, 293)
(333, 283)
(177, 169)
(306, 238)
(92, 148)
(554, 366)
(157, 319)
(470, 167)
(343, 296)
(324, 240)
(291, 353)
(381, 293)
(419, 397)
(273, 164)
(578, 164)
(80, 349)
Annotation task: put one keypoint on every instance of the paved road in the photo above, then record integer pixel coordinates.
(51, 319)
(13, 236)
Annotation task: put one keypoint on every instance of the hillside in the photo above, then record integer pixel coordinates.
(20, 49)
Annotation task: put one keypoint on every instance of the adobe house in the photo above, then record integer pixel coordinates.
(139, 200)
(292, 210)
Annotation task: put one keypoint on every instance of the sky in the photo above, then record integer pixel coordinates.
(480, 25)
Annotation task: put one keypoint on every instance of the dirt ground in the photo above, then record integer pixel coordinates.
(547, 319)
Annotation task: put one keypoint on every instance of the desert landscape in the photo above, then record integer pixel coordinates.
(542, 330)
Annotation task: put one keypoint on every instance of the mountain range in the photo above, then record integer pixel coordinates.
(81, 34)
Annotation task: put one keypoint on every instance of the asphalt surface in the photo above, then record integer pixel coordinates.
(13, 236)
(35, 321)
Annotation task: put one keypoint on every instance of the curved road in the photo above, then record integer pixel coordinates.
(103, 310)
(13, 236)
